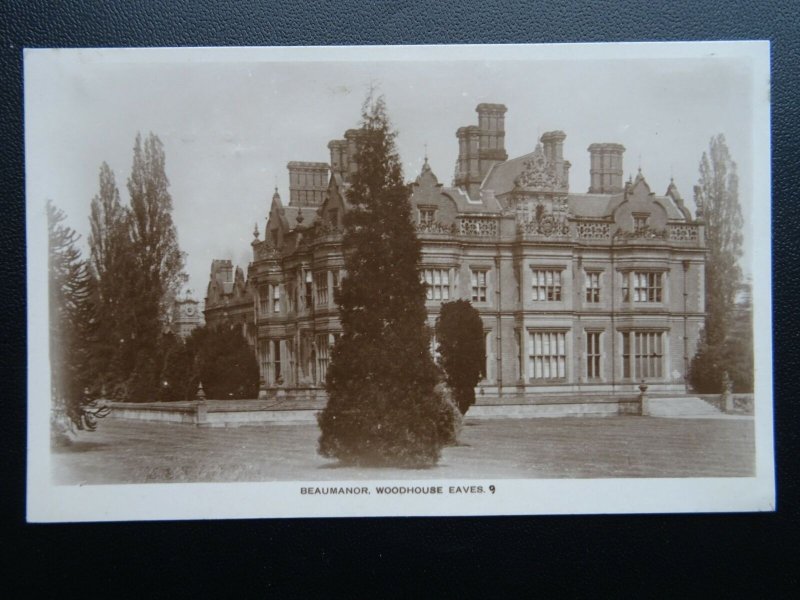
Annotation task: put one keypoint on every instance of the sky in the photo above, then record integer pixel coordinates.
(231, 121)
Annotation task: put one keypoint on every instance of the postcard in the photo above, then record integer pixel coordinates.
(398, 281)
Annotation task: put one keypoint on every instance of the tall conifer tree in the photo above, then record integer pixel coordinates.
(72, 319)
(382, 407)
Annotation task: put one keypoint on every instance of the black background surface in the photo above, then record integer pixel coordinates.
(721, 555)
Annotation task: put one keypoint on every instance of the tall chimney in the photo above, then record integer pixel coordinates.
(553, 146)
(491, 124)
(339, 161)
(606, 168)
(352, 137)
(469, 163)
(308, 182)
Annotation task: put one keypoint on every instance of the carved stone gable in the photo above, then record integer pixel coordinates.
(538, 173)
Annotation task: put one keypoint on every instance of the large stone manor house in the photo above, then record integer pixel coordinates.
(589, 292)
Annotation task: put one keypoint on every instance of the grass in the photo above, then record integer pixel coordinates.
(138, 452)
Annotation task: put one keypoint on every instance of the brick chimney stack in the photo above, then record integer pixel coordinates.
(553, 146)
(308, 182)
(339, 157)
(480, 147)
(491, 124)
(606, 168)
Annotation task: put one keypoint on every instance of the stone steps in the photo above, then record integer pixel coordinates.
(689, 406)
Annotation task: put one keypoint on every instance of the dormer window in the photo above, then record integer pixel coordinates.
(427, 216)
(640, 221)
(333, 217)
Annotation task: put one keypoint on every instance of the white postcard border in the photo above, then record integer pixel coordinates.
(47, 502)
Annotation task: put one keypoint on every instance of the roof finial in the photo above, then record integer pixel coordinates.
(255, 230)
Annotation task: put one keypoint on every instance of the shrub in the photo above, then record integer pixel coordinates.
(459, 332)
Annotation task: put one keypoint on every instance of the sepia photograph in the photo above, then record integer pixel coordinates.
(409, 280)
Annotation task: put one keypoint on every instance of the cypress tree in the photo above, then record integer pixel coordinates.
(459, 333)
(382, 408)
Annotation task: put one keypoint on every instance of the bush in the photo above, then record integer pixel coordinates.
(449, 419)
(388, 428)
(177, 374)
(459, 332)
(224, 362)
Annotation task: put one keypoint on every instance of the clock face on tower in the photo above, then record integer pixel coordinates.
(190, 310)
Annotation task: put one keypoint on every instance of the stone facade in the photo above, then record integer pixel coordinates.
(229, 299)
(579, 292)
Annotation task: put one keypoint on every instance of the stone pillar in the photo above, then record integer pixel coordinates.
(643, 402)
(727, 393)
(201, 414)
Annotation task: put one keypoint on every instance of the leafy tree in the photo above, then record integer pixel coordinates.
(223, 361)
(139, 268)
(459, 333)
(717, 196)
(153, 235)
(112, 264)
(72, 322)
(383, 408)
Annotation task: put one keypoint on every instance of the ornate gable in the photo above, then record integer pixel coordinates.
(538, 173)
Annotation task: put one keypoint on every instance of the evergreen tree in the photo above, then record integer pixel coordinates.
(459, 333)
(382, 408)
(72, 321)
(718, 202)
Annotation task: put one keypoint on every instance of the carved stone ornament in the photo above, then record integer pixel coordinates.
(642, 233)
(265, 250)
(538, 172)
(436, 227)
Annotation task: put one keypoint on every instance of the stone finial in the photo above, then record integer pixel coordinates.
(255, 230)
(201, 394)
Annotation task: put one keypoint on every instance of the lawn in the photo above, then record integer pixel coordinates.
(138, 452)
